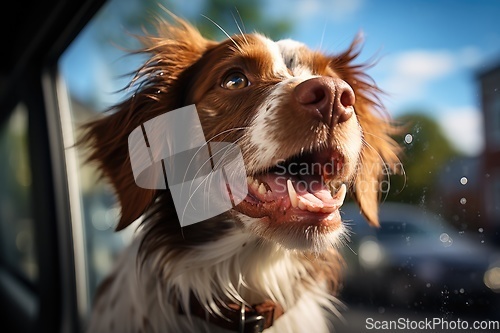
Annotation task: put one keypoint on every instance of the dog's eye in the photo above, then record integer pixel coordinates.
(235, 80)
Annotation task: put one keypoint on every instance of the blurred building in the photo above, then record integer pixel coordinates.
(489, 81)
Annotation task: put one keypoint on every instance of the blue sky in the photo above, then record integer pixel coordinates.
(429, 52)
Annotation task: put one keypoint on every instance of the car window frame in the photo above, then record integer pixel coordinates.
(56, 302)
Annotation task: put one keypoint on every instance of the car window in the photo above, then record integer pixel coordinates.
(17, 247)
(91, 73)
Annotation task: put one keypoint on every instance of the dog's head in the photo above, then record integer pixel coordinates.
(309, 126)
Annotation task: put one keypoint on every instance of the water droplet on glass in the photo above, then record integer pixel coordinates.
(463, 201)
(446, 239)
(408, 138)
(482, 241)
(480, 229)
(462, 290)
(428, 285)
(463, 180)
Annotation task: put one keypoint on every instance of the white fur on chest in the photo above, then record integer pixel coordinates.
(238, 267)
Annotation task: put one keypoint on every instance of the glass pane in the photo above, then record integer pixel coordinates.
(90, 72)
(17, 246)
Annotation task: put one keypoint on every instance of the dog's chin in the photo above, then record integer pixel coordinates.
(306, 233)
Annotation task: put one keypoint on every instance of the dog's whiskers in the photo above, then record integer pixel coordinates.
(205, 145)
(204, 181)
(238, 47)
(239, 28)
(400, 165)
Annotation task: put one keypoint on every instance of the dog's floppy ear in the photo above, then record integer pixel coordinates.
(379, 160)
(173, 49)
(379, 154)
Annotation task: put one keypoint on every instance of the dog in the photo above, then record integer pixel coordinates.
(271, 263)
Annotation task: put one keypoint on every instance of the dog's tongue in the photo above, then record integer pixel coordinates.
(307, 192)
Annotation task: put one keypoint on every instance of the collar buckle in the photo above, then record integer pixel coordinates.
(252, 324)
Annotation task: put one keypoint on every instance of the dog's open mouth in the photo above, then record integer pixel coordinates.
(304, 188)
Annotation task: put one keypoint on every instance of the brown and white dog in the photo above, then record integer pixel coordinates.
(272, 260)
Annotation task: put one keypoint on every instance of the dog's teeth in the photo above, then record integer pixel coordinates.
(262, 189)
(327, 209)
(255, 184)
(292, 194)
(313, 208)
(302, 205)
(249, 180)
(341, 193)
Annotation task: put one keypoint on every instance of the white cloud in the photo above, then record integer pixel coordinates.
(463, 126)
(424, 65)
(409, 74)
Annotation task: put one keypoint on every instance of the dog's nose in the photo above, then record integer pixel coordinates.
(329, 99)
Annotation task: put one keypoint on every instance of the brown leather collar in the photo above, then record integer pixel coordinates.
(238, 318)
